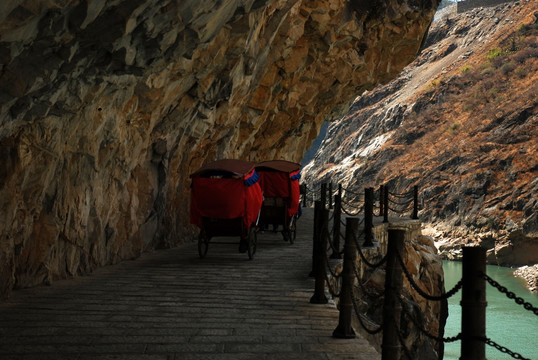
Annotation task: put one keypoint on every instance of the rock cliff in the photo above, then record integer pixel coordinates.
(106, 107)
(461, 123)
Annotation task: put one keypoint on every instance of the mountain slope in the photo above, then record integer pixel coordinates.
(461, 123)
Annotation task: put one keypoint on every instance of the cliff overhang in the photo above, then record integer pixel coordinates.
(107, 107)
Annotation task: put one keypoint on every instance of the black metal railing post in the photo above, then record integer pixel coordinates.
(381, 202)
(344, 328)
(391, 305)
(337, 214)
(330, 195)
(316, 230)
(368, 217)
(385, 204)
(321, 258)
(473, 304)
(323, 195)
(304, 191)
(415, 203)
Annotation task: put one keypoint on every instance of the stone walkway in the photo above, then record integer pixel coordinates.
(171, 304)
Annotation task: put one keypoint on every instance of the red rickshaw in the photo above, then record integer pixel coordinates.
(225, 201)
(279, 181)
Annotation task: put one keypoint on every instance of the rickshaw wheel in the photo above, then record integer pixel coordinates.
(203, 244)
(293, 229)
(286, 234)
(252, 240)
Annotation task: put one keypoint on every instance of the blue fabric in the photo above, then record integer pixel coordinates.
(300, 211)
(296, 176)
(252, 180)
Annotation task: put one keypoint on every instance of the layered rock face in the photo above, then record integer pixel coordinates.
(461, 123)
(106, 107)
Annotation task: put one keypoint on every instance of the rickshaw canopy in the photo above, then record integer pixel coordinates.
(279, 165)
(231, 166)
(280, 178)
(226, 189)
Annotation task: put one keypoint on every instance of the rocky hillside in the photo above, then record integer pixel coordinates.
(106, 107)
(461, 123)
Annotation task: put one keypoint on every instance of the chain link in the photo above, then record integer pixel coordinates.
(510, 294)
(350, 203)
(426, 332)
(399, 211)
(330, 239)
(330, 242)
(349, 213)
(425, 295)
(359, 316)
(404, 195)
(352, 192)
(502, 349)
(363, 289)
(363, 257)
(406, 203)
(325, 233)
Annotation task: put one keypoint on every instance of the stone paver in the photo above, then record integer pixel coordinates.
(173, 305)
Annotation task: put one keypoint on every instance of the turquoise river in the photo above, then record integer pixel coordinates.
(507, 323)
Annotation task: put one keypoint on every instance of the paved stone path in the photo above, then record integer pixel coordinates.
(171, 304)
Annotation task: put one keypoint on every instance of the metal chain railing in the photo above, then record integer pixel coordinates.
(510, 294)
(422, 293)
(398, 203)
(502, 349)
(399, 207)
(426, 332)
(403, 195)
(330, 245)
(349, 213)
(363, 257)
(349, 204)
(310, 193)
(316, 193)
(362, 319)
(337, 284)
(333, 247)
(401, 203)
(347, 190)
(397, 211)
(361, 286)
(351, 198)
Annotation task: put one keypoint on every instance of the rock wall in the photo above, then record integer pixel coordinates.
(460, 123)
(106, 107)
(463, 6)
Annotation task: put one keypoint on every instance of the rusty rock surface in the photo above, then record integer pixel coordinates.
(461, 123)
(106, 107)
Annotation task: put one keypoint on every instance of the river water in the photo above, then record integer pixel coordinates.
(507, 323)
